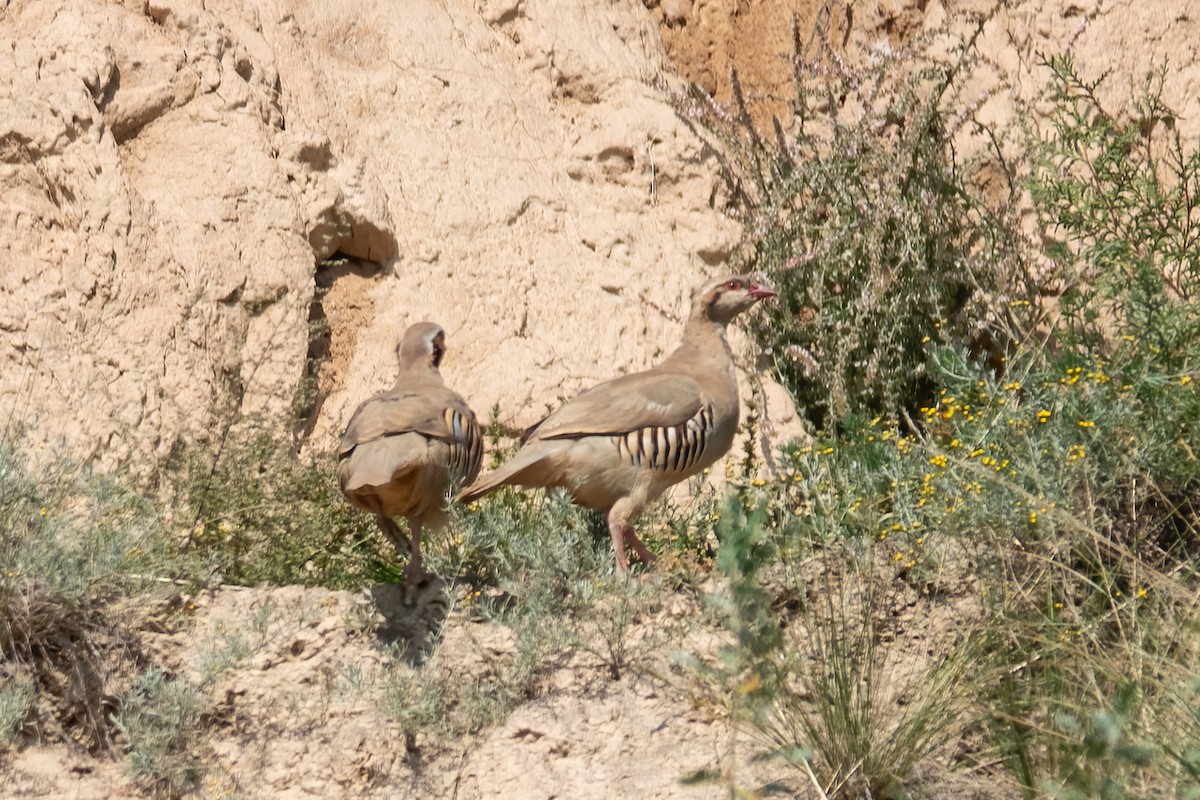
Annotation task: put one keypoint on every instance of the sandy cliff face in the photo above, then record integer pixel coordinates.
(155, 225)
(1129, 40)
(176, 172)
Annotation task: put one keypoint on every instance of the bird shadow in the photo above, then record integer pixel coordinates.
(411, 618)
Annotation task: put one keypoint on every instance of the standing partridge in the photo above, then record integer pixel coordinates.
(405, 448)
(618, 446)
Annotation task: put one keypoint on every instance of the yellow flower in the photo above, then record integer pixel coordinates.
(1086, 423)
(1014, 386)
(1043, 415)
(1075, 453)
(1141, 592)
(1185, 380)
(42, 511)
(1033, 518)
(938, 461)
(750, 684)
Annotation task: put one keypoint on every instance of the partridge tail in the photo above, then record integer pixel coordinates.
(375, 463)
(526, 468)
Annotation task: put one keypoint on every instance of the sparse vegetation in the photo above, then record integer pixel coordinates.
(543, 568)
(258, 513)
(70, 541)
(161, 720)
(1052, 479)
(16, 701)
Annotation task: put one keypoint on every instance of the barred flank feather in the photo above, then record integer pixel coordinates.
(466, 445)
(674, 449)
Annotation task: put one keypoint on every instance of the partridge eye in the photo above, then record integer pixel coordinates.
(733, 285)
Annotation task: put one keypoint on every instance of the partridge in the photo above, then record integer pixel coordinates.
(619, 445)
(406, 448)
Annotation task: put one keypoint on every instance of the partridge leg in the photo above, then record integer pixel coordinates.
(414, 572)
(643, 552)
(392, 533)
(617, 526)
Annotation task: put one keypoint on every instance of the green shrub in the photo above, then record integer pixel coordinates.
(161, 719)
(1120, 198)
(867, 226)
(542, 567)
(70, 542)
(1099, 616)
(1057, 481)
(821, 685)
(549, 560)
(257, 513)
(16, 701)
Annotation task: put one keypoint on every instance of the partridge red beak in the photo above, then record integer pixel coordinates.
(761, 291)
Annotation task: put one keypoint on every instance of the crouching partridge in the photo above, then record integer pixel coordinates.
(618, 446)
(405, 448)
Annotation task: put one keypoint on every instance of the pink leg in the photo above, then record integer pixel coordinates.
(414, 572)
(618, 529)
(393, 533)
(643, 552)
